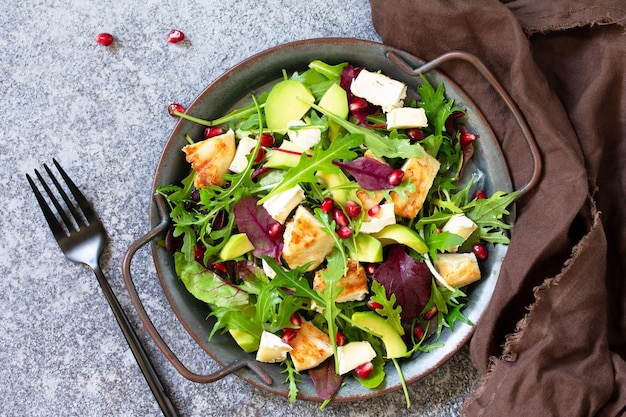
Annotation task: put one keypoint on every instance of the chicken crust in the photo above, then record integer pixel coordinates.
(211, 158)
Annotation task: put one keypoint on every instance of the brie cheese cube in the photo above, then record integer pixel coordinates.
(211, 158)
(379, 90)
(244, 148)
(354, 283)
(305, 240)
(354, 354)
(458, 269)
(311, 347)
(421, 172)
(272, 349)
(305, 138)
(406, 117)
(281, 205)
(385, 217)
(461, 225)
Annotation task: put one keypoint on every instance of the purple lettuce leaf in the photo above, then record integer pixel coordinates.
(407, 278)
(370, 173)
(254, 220)
(325, 379)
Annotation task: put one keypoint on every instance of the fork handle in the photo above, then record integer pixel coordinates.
(139, 351)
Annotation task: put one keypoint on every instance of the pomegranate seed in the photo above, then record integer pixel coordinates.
(344, 232)
(364, 371)
(415, 134)
(276, 231)
(175, 36)
(288, 335)
(466, 139)
(340, 217)
(104, 39)
(481, 251)
(327, 205)
(374, 305)
(295, 319)
(358, 105)
(430, 313)
(212, 131)
(418, 331)
(259, 156)
(198, 253)
(267, 139)
(175, 107)
(480, 195)
(396, 176)
(370, 269)
(220, 267)
(340, 338)
(373, 211)
(353, 208)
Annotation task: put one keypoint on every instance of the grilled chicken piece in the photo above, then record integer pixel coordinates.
(422, 173)
(211, 158)
(354, 283)
(305, 241)
(458, 269)
(311, 347)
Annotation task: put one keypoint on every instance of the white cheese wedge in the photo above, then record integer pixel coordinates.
(272, 349)
(458, 269)
(211, 158)
(385, 217)
(421, 172)
(267, 269)
(311, 347)
(406, 117)
(354, 283)
(461, 225)
(305, 241)
(244, 148)
(354, 354)
(282, 204)
(379, 90)
(305, 138)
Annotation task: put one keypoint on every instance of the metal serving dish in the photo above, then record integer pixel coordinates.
(257, 74)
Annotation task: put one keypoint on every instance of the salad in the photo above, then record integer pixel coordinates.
(329, 226)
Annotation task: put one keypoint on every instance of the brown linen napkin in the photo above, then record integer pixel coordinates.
(553, 341)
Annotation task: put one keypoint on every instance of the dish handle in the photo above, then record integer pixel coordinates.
(499, 89)
(151, 329)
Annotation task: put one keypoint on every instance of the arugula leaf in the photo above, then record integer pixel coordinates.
(321, 160)
(292, 379)
(435, 104)
(438, 241)
(487, 213)
(449, 303)
(389, 308)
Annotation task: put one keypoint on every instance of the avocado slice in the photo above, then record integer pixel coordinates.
(245, 340)
(394, 345)
(286, 156)
(285, 103)
(398, 233)
(331, 180)
(368, 249)
(237, 245)
(335, 100)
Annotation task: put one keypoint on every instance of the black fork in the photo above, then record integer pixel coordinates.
(82, 237)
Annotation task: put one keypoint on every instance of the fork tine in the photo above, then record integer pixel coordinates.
(55, 225)
(82, 202)
(70, 205)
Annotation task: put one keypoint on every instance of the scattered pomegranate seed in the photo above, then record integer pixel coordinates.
(481, 251)
(358, 104)
(396, 176)
(344, 232)
(276, 231)
(418, 331)
(220, 267)
(364, 371)
(105, 39)
(430, 313)
(327, 205)
(295, 319)
(175, 36)
(288, 335)
(353, 208)
(340, 217)
(370, 269)
(480, 194)
(175, 107)
(198, 253)
(374, 305)
(373, 211)
(212, 131)
(415, 134)
(340, 338)
(267, 139)
(466, 139)
(259, 156)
